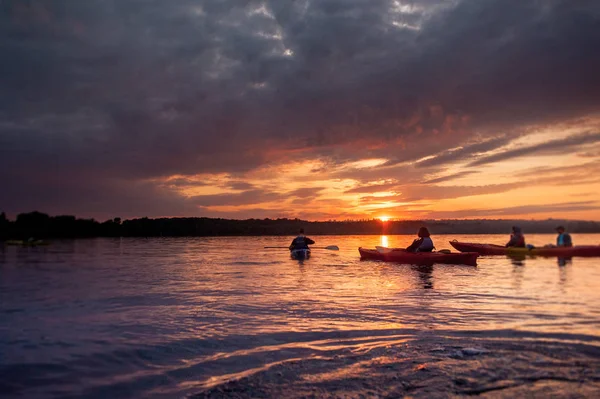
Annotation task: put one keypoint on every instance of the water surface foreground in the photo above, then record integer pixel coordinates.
(223, 317)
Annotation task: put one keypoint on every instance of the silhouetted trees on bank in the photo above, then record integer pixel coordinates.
(41, 225)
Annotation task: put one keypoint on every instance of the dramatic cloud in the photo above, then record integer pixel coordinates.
(177, 108)
(307, 192)
(250, 197)
(373, 188)
(464, 153)
(451, 177)
(521, 210)
(551, 147)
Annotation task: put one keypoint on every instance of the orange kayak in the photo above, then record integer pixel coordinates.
(561, 252)
(420, 258)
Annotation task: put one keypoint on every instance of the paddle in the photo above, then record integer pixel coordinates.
(331, 248)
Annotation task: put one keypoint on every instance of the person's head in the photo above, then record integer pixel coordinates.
(301, 231)
(423, 232)
(560, 229)
(516, 229)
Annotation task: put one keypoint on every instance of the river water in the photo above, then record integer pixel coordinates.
(222, 317)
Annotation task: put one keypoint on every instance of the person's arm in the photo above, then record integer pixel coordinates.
(415, 244)
(567, 240)
(292, 244)
(511, 242)
(308, 241)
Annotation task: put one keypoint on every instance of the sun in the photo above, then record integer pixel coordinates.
(384, 218)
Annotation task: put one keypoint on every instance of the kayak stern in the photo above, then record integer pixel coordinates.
(300, 254)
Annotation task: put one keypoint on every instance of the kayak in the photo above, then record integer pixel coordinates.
(561, 252)
(419, 258)
(300, 253)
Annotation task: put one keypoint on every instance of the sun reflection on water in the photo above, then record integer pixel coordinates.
(384, 241)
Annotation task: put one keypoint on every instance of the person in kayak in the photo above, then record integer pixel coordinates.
(422, 244)
(301, 242)
(563, 239)
(517, 239)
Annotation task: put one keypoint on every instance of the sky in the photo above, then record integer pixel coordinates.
(329, 109)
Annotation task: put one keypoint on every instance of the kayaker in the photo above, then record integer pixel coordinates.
(517, 239)
(301, 242)
(422, 244)
(563, 239)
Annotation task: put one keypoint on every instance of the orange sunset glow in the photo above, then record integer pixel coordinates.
(288, 199)
(409, 115)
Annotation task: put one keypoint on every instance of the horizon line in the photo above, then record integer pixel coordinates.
(376, 219)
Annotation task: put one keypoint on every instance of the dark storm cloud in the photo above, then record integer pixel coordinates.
(92, 198)
(125, 89)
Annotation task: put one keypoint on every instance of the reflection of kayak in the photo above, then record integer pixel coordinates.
(563, 252)
(419, 258)
(300, 253)
(26, 243)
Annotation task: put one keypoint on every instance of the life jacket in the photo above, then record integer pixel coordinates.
(520, 240)
(426, 245)
(564, 240)
(300, 243)
(517, 240)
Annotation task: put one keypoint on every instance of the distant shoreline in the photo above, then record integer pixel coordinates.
(40, 225)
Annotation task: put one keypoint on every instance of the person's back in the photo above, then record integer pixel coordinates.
(423, 244)
(426, 245)
(301, 242)
(517, 239)
(563, 239)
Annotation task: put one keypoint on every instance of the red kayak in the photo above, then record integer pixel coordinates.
(561, 252)
(420, 258)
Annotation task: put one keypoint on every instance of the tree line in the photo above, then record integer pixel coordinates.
(40, 226)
